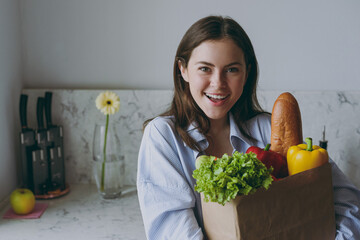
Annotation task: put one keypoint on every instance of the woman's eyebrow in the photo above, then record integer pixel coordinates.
(205, 63)
(234, 63)
(210, 64)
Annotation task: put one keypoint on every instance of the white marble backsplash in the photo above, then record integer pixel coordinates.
(75, 110)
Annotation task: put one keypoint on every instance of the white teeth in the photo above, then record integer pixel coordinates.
(215, 96)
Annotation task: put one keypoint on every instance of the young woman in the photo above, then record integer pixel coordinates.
(214, 111)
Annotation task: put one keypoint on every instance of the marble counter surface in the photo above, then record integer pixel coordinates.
(81, 214)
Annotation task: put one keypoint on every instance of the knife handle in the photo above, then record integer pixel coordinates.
(48, 97)
(40, 112)
(22, 108)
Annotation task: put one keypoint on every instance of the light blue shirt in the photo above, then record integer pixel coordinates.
(171, 208)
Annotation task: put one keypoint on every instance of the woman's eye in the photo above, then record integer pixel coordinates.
(204, 69)
(232, 70)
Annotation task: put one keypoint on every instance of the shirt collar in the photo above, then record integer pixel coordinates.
(194, 132)
(236, 137)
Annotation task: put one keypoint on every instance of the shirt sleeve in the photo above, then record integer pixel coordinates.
(346, 205)
(166, 200)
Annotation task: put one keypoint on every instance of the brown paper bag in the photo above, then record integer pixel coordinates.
(297, 207)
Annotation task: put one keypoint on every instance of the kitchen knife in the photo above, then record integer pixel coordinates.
(40, 165)
(40, 171)
(48, 99)
(40, 112)
(27, 145)
(22, 107)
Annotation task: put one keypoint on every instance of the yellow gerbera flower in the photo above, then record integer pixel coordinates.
(108, 102)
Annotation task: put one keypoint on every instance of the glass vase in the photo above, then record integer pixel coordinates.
(108, 164)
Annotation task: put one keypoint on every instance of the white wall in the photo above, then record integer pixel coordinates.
(10, 86)
(302, 45)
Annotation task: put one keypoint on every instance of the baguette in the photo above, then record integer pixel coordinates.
(286, 126)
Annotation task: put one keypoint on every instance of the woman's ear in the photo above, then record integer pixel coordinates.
(183, 71)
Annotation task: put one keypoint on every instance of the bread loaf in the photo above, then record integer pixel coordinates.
(286, 126)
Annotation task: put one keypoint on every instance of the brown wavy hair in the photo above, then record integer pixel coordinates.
(183, 106)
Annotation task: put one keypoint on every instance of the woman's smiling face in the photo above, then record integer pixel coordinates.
(216, 74)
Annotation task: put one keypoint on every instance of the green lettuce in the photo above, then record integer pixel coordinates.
(222, 179)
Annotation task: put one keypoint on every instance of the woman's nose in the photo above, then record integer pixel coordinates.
(217, 79)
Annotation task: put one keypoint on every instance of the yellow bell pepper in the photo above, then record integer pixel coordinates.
(305, 156)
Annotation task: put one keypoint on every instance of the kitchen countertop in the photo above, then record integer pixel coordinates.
(81, 214)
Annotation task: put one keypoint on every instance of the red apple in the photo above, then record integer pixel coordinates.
(22, 201)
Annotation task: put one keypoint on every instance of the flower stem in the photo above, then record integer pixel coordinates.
(104, 152)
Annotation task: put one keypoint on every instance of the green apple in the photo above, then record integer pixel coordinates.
(22, 201)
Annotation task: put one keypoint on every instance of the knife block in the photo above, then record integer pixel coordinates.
(42, 152)
(42, 162)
